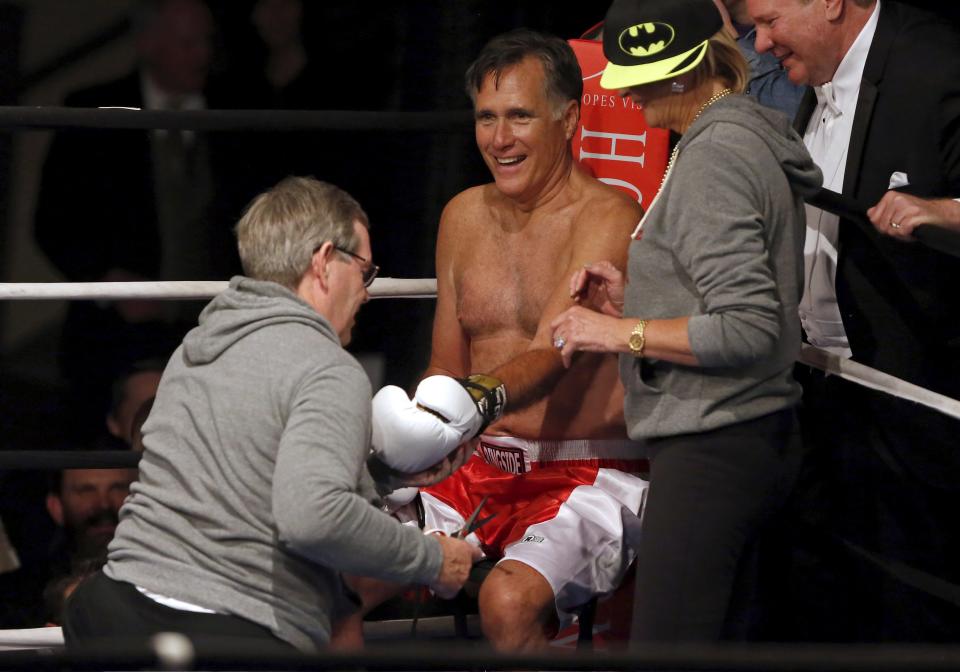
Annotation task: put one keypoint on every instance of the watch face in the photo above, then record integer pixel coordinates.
(635, 342)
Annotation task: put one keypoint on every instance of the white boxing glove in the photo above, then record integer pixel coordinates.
(448, 398)
(407, 438)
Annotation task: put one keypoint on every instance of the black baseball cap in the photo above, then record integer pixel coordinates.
(651, 40)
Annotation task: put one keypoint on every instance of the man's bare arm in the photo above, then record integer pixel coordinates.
(450, 349)
(531, 375)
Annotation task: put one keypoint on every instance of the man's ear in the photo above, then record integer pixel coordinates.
(320, 263)
(55, 508)
(571, 117)
(833, 9)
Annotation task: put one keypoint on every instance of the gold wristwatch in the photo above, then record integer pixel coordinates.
(637, 339)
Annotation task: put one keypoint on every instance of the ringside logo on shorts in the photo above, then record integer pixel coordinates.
(531, 539)
(504, 458)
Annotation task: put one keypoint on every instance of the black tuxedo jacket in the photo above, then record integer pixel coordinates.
(900, 302)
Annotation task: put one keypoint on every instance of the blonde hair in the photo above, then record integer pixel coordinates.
(282, 228)
(723, 61)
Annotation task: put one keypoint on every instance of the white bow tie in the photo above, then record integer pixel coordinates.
(826, 96)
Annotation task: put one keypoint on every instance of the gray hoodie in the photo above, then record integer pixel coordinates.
(723, 244)
(253, 493)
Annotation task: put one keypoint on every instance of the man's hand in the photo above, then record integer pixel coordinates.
(458, 559)
(898, 214)
(599, 286)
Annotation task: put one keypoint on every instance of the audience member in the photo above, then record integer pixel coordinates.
(768, 81)
(287, 69)
(884, 114)
(128, 394)
(85, 503)
(134, 205)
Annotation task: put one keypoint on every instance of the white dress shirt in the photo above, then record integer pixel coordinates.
(827, 137)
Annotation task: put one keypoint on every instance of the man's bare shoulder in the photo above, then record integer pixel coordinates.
(606, 206)
(472, 202)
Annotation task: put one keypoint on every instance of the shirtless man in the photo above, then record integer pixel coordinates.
(504, 253)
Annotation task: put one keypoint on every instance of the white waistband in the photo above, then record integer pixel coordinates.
(515, 455)
(173, 602)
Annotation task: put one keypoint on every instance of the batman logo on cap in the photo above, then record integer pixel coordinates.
(646, 39)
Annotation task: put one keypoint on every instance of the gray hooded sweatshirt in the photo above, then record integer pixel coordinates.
(253, 493)
(722, 243)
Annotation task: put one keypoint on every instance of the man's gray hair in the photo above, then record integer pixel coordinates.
(282, 228)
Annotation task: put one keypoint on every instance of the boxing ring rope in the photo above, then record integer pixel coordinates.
(382, 288)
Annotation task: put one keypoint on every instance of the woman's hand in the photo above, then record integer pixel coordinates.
(579, 329)
(599, 286)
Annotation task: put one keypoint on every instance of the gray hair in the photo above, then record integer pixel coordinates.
(282, 228)
(562, 76)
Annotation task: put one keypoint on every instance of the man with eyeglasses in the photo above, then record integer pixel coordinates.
(253, 496)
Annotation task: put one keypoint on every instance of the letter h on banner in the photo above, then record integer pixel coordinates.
(638, 166)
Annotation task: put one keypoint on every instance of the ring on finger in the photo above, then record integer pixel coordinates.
(895, 225)
(559, 342)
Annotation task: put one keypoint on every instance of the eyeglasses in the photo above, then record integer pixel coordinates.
(368, 268)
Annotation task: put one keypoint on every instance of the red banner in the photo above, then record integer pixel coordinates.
(613, 141)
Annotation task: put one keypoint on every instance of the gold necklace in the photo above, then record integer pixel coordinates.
(710, 101)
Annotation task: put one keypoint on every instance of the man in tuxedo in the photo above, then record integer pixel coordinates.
(135, 205)
(884, 114)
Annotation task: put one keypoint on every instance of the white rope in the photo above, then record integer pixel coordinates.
(31, 638)
(861, 374)
(394, 288)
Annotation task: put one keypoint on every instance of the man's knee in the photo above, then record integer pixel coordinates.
(372, 592)
(516, 607)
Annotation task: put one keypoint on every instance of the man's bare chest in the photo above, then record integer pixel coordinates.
(504, 281)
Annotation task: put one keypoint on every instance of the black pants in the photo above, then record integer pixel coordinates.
(101, 608)
(710, 495)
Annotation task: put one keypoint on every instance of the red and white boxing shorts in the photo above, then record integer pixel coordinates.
(557, 505)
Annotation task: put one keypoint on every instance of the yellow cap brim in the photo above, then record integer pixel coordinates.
(624, 76)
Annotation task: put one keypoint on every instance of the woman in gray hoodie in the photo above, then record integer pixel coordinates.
(707, 326)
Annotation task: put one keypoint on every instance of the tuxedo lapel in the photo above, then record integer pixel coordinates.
(887, 27)
(858, 136)
(804, 111)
